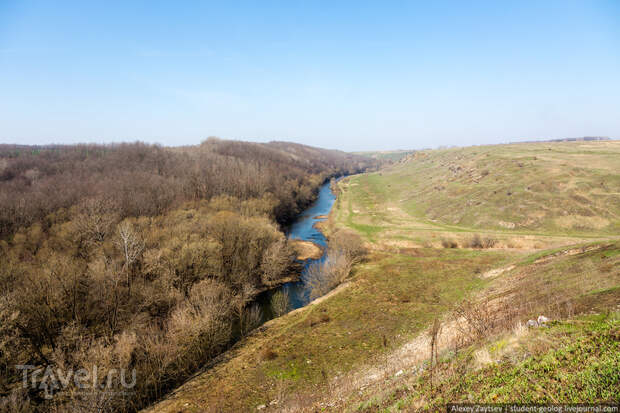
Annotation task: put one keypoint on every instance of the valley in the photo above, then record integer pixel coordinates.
(476, 240)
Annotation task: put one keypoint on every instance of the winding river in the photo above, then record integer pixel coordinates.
(303, 228)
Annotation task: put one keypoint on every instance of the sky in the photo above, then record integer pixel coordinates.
(350, 75)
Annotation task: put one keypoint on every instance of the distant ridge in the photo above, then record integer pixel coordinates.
(584, 138)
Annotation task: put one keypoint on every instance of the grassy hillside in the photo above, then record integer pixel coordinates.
(524, 195)
(487, 354)
(572, 361)
(451, 255)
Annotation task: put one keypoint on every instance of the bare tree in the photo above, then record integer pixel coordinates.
(277, 259)
(475, 319)
(95, 219)
(74, 225)
(324, 276)
(280, 303)
(349, 244)
(131, 247)
(251, 318)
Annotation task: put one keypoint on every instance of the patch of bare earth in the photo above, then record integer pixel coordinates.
(307, 250)
(572, 251)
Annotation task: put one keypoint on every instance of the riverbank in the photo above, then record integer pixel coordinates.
(307, 250)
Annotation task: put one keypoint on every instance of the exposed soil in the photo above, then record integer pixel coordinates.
(306, 250)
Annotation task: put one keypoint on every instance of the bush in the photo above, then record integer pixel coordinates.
(251, 318)
(449, 243)
(324, 276)
(476, 241)
(280, 303)
(347, 243)
(345, 249)
(489, 242)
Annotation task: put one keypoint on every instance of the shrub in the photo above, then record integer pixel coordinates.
(449, 243)
(347, 243)
(324, 276)
(476, 241)
(345, 249)
(280, 303)
(489, 242)
(251, 318)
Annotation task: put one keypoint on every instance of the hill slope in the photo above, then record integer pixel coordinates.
(523, 195)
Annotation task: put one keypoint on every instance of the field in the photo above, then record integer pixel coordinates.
(480, 239)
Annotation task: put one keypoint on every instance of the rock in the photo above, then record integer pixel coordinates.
(261, 407)
(542, 320)
(532, 323)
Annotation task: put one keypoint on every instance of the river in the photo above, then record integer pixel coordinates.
(303, 229)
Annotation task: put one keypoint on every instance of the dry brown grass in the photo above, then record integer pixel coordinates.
(306, 250)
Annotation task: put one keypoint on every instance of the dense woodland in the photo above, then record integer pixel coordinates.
(141, 257)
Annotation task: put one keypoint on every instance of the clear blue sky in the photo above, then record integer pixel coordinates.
(348, 75)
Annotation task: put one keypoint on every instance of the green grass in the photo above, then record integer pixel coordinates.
(545, 190)
(575, 361)
(570, 362)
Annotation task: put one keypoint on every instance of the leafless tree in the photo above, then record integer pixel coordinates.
(280, 303)
(251, 318)
(131, 247)
(276, 260)
(95, 219)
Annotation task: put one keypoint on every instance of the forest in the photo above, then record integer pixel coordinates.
(140, 258)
